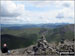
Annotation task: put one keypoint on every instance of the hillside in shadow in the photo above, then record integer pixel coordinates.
(15, 42)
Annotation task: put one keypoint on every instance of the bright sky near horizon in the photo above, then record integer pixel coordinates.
(35, 12)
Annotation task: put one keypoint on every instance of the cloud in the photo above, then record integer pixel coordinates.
(10, 9)
(66, 5)
(60, 16)
(35, 12)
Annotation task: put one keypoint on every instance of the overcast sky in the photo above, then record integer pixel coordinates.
(35, 12)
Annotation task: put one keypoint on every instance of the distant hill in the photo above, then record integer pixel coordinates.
(22, 26)
(24, 37)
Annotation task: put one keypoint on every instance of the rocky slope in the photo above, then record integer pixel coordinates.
(42, 47)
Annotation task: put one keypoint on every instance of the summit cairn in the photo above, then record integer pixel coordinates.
(42, 47)
(42, 43)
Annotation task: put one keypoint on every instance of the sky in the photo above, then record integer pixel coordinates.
(36, 12)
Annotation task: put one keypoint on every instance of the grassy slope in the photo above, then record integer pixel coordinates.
(66, 32)
(31, 35)
(20, 38)
(21, 31)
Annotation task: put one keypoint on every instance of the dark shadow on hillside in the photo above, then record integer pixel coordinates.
(15, 42)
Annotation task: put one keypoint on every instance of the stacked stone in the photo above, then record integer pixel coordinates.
(42, 47)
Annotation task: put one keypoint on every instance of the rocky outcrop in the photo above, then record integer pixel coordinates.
(42, 47)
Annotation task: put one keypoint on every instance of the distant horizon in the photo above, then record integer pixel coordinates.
(39, 23)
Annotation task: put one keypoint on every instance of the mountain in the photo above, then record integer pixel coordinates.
(22, 26)
(27, 36)
(57, 34)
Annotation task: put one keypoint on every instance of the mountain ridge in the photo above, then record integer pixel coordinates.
(22, 26)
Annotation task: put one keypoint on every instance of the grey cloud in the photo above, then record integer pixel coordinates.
(5, 13)
(66, 5)
(60, 16)
(70, 17)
